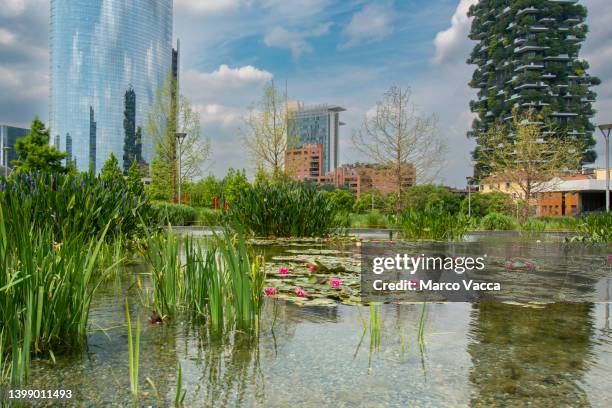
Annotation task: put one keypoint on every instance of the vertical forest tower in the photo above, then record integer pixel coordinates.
(527, 57)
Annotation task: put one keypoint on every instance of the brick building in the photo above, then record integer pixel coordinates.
(304, 163)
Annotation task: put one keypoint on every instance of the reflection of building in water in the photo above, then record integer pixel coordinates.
(530, 356)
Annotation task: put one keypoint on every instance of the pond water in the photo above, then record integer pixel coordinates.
(480, 354)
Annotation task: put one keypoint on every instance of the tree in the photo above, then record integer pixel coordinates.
(111, 170)
(430, 195)
(483, 204)
(397, 135)
(203, 192)
(529, 154)
(36, 154)
(169, 115)
(265, 136)
(342, 200)
(134, 180)
(233, 184)
(369, 200)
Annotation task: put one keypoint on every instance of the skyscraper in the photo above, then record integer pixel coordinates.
(527, 57)
(319, 124)
(98, 50)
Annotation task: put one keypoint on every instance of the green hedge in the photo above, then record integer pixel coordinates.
(497, 222)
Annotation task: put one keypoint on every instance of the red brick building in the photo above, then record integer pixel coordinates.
(304, 163)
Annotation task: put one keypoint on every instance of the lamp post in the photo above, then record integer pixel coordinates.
(469, 186)
(179, 138)
(605, 131)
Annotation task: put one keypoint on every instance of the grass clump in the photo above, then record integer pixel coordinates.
(596, 228)
(173, 214)
(220, 283)
(497, 222)
(283, 209)
(433, 223)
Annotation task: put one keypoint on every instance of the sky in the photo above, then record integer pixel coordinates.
(343, 52)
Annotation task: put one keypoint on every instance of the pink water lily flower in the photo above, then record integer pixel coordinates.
(300, 292)
(530, 266)
(269, 292)
(283, 271)
(509, 265)
(312, 268)
(335, 282)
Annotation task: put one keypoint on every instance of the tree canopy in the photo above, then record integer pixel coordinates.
(35, 152)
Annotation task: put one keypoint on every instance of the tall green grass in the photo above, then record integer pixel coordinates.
(46, 290)
(596, 228)
(221, 283)
(432, 223)
(173, 214)
(283, 209)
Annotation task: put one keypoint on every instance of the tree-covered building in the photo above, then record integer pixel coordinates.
(528, 58)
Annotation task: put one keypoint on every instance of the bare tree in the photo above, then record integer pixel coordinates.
(529, 154)
(396, 134)
(169, 115)
(266, 133)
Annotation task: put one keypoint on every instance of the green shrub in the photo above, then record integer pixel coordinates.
(209, 217)
(434, 223)
(560, 223)
(483, 204)
(497, 222)
(596, 228)
(533, 225)
(173, 214)
(283, 209)
(342, 200)
(368, 200)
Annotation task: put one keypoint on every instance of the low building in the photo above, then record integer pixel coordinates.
(572, 195)
(359, 178)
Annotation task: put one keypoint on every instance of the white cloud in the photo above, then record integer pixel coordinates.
(225, 78)
(453, 44)
(205, 7)
(295, 41)
(6, 37)
(372, 23)
(216, 114)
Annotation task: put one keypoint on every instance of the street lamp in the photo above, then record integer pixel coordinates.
(605, 131)
(469, 182)
(179, 137)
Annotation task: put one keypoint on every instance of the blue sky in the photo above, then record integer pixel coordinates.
(338, 52)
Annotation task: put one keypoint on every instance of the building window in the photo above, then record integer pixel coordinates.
(573, 210)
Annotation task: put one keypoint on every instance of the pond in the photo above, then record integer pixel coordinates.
(465, 354)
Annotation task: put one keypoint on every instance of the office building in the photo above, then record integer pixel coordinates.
(319, 124)
(527, 57)
(8, 138)
(304, 163)
(99, 51)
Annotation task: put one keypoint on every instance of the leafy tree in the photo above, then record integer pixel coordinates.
(35, 152)
(203, 192)
(265, 136)
(398, 135)
(233, 184)
(169, 115)
(368, 200)
(342, 200)
(111, 170)
(134, 179)
(529, 154)
(483, 204)
(429, 195)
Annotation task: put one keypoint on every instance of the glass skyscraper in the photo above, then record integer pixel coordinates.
(99, 50)
(319, 124)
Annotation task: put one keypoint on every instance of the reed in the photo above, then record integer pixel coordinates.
(283, 209)
(221, 283)
(433, 223)
(133, 350)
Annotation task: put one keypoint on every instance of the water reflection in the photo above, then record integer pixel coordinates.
(535, 356)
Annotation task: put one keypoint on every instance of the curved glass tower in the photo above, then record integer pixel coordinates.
(101, 50)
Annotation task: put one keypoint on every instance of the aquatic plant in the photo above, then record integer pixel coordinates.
(45, 292)
(433, 223)
(133, 350)
(335, 282)
(221, 283)
(497, 222)
(283, 271)
(596, 228)
(283, 209)
(71, 205)
(174, 214)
